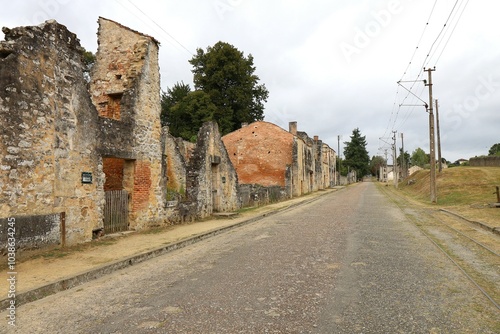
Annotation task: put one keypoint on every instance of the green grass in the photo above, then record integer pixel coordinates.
(456, 186)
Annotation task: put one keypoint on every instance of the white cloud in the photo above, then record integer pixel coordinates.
(298, 54)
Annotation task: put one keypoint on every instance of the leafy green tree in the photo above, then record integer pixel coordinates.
(494, 150)
(88, 59)
(169, 99)
(356, 155)
(190, 113)
(419, 158)
(227, 76)
(407, 158)
(375, 164)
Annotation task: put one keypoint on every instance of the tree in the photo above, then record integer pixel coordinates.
(227, 76)
(169, 99)
(375, 164)
(190, 113)
(407, 158)
(419, 157)
(494, 150)
(88, 59)
(356, 155)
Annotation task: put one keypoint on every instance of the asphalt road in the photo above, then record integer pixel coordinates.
(350, 262)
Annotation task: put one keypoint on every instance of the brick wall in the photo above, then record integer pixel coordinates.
(260, 153)
(113, 169)
(142, 185)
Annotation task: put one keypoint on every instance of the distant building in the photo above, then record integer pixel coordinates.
(273, 164)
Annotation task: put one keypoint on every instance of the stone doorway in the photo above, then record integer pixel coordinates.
(118, 190)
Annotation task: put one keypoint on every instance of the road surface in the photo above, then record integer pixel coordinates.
(349, 262)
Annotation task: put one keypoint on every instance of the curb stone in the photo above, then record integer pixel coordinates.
(495, 230)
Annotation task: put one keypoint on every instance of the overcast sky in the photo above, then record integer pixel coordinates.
(332, 66)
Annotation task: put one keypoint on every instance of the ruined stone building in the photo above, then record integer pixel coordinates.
(211, 180)
(80, 158)
(124, 87)
(201, 178)
(273, 164)
(49, 138)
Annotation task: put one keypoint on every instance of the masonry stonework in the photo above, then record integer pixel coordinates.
(211, 180)
(48, 133)
(125, 86)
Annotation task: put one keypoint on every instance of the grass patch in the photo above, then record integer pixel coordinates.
(456, 186)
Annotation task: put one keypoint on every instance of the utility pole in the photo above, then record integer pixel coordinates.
(403, 167)
(431, 139)
(385, 169)
(440, 162)
(395, 160)
(338, 156)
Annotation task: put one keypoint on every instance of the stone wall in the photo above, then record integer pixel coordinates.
(125, 88)
(493, 161)
(49, 132)
(257, 195)
(211, 180)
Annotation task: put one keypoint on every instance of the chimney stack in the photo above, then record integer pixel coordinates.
(293, 128)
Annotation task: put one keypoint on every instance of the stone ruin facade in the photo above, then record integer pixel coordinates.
(72, 152)
(49, 138)
(124, 87)
(79, 158)
(274, 164)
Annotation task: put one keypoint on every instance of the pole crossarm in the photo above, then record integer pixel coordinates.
(409, 91)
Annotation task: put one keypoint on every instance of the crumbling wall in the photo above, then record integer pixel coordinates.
(328, 162)
(125, 88)
(211, 180)
(257, 195)
(492, 161)
(261, 153)
(309, 171)
(48, 134)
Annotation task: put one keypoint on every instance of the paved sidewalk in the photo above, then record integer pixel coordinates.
(57, 270)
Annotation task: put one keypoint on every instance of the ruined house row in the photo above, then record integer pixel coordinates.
(80, 158)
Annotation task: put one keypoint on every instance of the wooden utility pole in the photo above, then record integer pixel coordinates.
(395, 161)
(338, 156)
(440, 162)
(403, 167)
(431, 139)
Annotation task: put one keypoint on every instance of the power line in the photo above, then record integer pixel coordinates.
(440, 32)
(452, 31)
(429, 56)
(159, 26)
(420, 40)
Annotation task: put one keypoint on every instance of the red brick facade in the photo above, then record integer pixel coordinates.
(113, 169)
(260, 153)
(142, 185)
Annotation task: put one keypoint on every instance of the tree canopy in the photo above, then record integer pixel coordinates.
(227, 76)
(494, 150)
(356, 155)
(375, 164)
(419, 157)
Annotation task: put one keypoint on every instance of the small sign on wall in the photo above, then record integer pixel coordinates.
(86, 177)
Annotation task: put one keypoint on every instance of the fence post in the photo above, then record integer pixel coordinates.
(63, 228)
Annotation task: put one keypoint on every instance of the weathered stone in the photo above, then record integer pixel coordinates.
(125, 89)
(51, 129)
